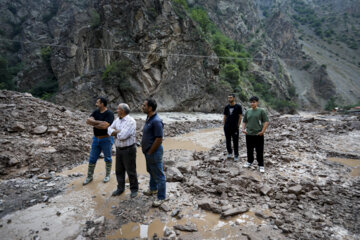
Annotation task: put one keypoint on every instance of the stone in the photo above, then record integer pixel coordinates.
(46, 150)
(265, 190)
(175, 212)
(53, 130)
(167, 232)
(201, 174)
(173, 175)
(260, 215)
(17, 127)
(234, 211)
(91, 231)
(189, 227)
(207, 204)
(13, 161)
(308, 120)
(5, 106)
(100, 220)
(295, 189)
(40, 130)
(164, 207)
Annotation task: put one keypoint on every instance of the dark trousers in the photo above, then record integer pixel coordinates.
(234, 134)
(256, 142)
(126, 161)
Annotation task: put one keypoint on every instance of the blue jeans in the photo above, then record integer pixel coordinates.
(98, 145)
(154, 166)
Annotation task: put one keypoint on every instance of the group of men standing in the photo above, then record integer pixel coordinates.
(123, 129)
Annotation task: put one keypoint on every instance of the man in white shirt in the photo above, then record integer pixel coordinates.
(124, 130)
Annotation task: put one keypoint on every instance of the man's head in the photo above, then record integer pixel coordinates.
(231, 98)
(149, 106)
(101, 103)
(254, 101)
(123, 110)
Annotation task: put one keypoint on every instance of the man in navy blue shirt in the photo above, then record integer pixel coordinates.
(153, 151)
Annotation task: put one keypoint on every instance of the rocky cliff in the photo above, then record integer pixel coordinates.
(73, 51)
(125, 50)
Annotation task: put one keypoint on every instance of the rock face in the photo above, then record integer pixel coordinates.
(142, 49)
(278, 56)
(145, 42)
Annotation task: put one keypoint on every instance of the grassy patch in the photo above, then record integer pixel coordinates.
(94, 18)
(117, 74)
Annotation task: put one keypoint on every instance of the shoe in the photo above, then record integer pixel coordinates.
(90, 174)
(158, 202)
(117, 192)
(133, 194)
(236, 158)
(262, 169)
(247, 165)
(229, 156)
(107, 172)
(150, 192)
(106, 179)
(87, 180)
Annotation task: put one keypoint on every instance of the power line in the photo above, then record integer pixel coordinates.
(152, 53)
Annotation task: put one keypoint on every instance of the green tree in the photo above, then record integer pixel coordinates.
(231, 74)
(331, 104)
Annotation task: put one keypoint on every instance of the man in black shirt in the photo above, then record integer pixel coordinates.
(100, 119)
(232, 120)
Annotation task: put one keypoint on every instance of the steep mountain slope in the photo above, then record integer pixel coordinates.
(186, 54)
(329, 33)
(125, 50)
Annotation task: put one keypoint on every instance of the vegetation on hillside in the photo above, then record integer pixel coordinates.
(327, 26)
(234, 61)
(117, 74)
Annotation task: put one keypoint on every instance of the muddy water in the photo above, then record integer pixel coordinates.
(353, 163)
(209, 225)
(81, 203)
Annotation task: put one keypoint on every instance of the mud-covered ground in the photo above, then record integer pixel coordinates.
(307, 192)
(39, 139)
(310, 189)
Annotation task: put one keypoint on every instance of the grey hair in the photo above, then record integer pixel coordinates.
(125, 107)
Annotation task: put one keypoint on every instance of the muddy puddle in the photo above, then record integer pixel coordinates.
(209, 225)
(353, 163)
(65, 215)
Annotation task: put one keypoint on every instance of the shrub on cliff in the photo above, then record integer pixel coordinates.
(117, 74)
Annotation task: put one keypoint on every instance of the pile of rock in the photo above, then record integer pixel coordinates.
(307, 195)
(38, 136)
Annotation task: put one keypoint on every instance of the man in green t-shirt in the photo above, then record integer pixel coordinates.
(254, 126)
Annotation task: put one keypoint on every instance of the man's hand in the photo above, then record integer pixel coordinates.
(114, 133)
(244, 131)
(155, 146)
(261, 133)
(90, 121)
